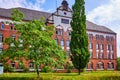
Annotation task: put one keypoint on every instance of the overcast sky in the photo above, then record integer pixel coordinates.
(102, 12)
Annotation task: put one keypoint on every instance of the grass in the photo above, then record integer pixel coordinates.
(95, 75)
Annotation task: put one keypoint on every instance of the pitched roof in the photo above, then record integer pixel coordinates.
(29, 14)
(33, 14)
(95, 27)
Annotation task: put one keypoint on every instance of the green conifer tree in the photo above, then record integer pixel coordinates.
(79, 38)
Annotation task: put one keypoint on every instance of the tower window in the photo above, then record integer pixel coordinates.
(65, 21)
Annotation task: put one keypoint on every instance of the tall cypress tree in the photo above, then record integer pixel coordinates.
(79, 38)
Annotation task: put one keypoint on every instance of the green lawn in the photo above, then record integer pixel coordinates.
(96, 75)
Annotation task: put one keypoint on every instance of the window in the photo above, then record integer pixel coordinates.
(2, 26)
(0, 50)
(108, 56)
(13, 37)
(91, 65)
(90, 54)
(101, 56)
(97, 46)
(67, 43)
(11, 26)
(66, 21)
(110, 65)
(1, 38)
(31, 65)
(90, 37)
(13, 64)
(69, 33)
(101, 46)
(20, 41)
(59, 31)
(91, 46)
(112, 47)
(68, 53)
(109, 38)
(62, 43)
(56, 40)
(108, 47)
(100, 65)
(97, 55)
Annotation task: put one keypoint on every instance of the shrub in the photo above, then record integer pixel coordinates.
(8, 68)
(46, 69)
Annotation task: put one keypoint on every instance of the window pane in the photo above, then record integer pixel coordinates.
(2, 26)
(67, 43)
(1, 38)
(66, 21)
(62, 42)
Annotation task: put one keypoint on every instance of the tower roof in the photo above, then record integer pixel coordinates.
(65, 4)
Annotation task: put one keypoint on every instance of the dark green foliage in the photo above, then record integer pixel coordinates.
(118, 63)
(79, 38)
(8, 68)
(46, 69)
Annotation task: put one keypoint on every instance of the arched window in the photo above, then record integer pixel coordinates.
(13, 64)
(100, 65)
(31, 65)
(91, 65)
(110, 65)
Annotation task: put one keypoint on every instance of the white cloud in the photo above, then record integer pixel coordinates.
(108, 15)
(35, 4)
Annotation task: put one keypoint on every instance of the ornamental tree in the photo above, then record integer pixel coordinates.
(35, 44)
(79, 38)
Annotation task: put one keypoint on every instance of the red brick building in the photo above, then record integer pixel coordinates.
(102, 41)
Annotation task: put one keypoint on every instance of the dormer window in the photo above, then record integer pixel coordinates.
(65, 21)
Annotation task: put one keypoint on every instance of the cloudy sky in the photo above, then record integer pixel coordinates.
(102, 12)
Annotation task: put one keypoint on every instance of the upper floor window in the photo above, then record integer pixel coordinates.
(67, 43)
(66, 21)
(69, 33)
(1, 38)
(109, 38)
(91, 55)
(97, 46)
(13, 37)
(90, 36)
(99, 37)
(59, 31)
(101, 46)
(2, 26)
(62, 42)
(108, 47)
(56, 40)
(11, 26)
(0, 50)
(91, 46)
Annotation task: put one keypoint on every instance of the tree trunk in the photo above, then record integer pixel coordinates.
(79, 65)
(79, 72)
(38, 74)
